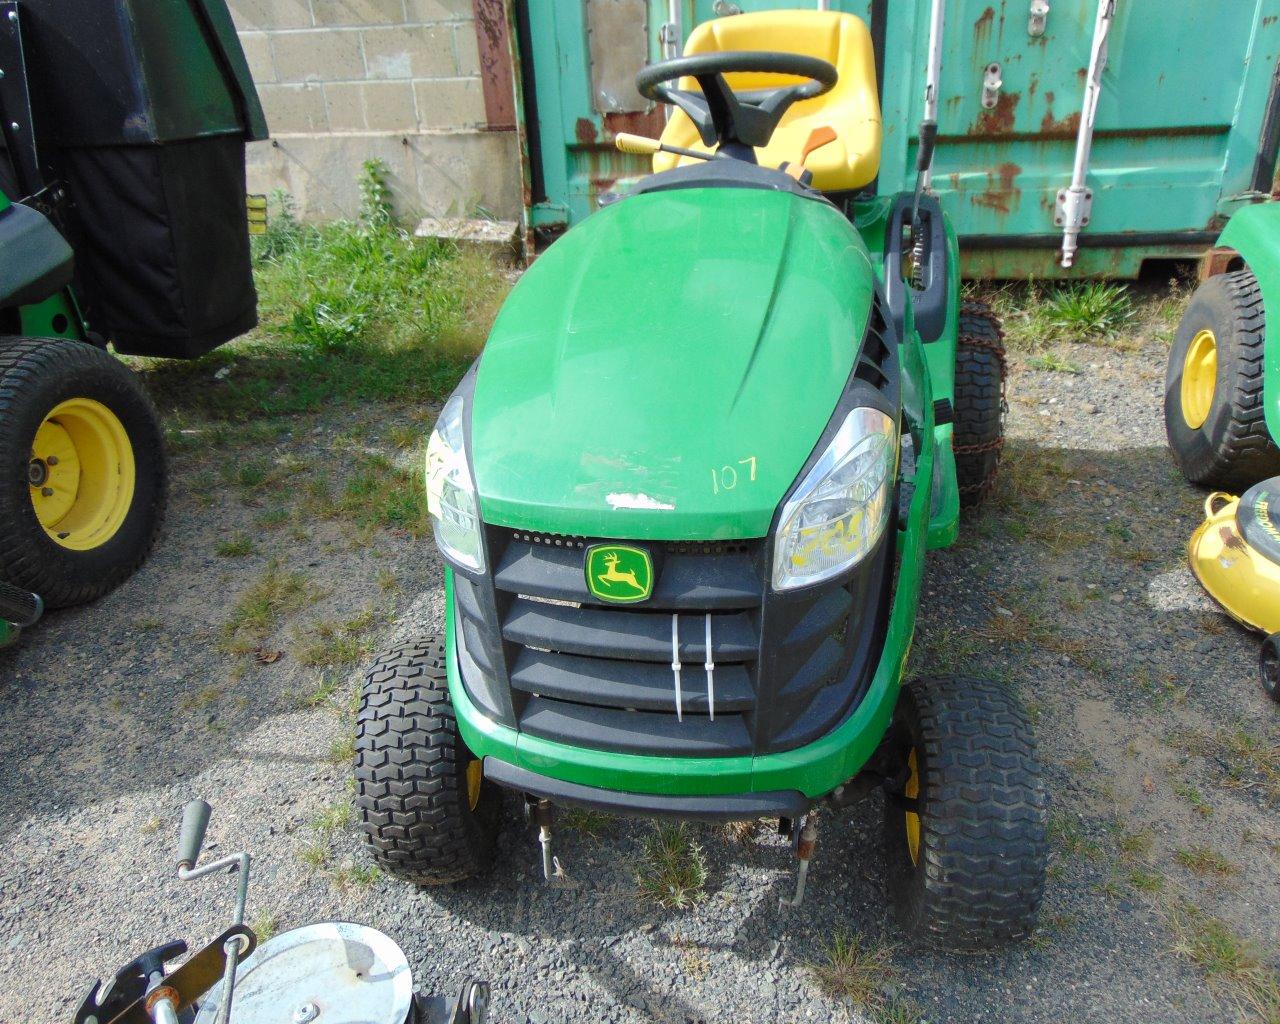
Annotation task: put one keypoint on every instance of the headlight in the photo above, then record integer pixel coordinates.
(839, 511)
(451, 495)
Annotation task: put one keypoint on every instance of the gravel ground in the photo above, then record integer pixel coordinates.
(1071, 588)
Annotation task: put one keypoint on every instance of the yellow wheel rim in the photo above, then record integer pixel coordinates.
(81, 474)
(912, 792)
(1199, 379)
(475, 776)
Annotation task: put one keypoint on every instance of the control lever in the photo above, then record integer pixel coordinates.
(643, 146)
(195, 822)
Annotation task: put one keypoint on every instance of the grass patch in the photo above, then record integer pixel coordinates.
(1054, 363)
(236, 547)
(1230, 963)
(861, 971)
(343, 751)
(260, 608)
(585, 821)
(1204, 860)
(1087, 312)
(338, 643)
(1146, 881)
(1067, 833)
(1195, 798)
(673, 868)
(264, 926)
(379, 493)
(351, 312)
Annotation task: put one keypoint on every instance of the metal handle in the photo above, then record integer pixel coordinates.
(195, 821)
(1211, 503)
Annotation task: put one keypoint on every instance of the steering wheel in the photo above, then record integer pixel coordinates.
(737, 121)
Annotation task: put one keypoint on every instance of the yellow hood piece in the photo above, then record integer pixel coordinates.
(1235, 554)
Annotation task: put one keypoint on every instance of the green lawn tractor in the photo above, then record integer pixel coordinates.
(122, 222)
(1222, 417)
(685, 496)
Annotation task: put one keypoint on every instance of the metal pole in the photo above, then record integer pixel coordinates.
(933, 72)
(1075, 204)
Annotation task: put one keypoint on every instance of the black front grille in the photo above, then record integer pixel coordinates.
(541, 654)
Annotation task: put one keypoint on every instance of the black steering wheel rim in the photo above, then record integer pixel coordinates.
(736, 122)
(822, 74)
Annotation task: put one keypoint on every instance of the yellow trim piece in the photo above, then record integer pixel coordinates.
(912, 792)
(475, 779)
(1199, 379)
(1238, 577)
(852, 108)
(82, 474)
(638, 144)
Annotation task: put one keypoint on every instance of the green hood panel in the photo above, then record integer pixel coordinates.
(665, 369)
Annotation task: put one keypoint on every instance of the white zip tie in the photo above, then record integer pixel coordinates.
(675, 663)
(710, 666)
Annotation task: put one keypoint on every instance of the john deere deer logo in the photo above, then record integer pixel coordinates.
(618, 573)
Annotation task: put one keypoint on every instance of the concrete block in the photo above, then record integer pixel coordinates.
(438, 10)
(358, 12)
(323, 55)
(498, 238)
(389, 106)
(450, 102)
(413, 52)
(344, 102)
(267, 14)
(467, 49)
(294, 108)
(257, 51)
(433, 175)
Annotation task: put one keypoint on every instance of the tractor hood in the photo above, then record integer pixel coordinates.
(666, 368)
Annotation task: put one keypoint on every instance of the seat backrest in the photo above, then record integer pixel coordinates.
(852, 108)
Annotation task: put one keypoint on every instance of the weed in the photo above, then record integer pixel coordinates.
(335, 816)
(673, 868)
(1135, 845)
(387, 581)
(1204, 860)
(343, 750)
(314, 856)
(1251, 762)
(340, 643)
(326, 687)
(275, 594)
(1087, 311)
(151, 825)
(1054, 364)
(856, 969)
(354, 876)
(1227, 960)
(1068, 834)
(264, 926)
(1146, 881)
(1195, 798)
(273, 518)
(585, 821)
(204, 697)
(237, 547)
(743, 831)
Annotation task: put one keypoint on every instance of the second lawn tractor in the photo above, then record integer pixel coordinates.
(685, 496)
(122, 222)
(1222, 417)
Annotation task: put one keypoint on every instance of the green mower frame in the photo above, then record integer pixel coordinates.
(685, 497)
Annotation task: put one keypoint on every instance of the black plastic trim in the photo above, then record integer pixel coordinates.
(1264, 168)
(35, 260)
(1112, 240)
(725, 172)
(782, 803)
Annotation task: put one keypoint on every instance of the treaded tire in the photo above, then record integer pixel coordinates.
(410, 769)
(983, 812)
(36, 374)
(979, 405)
(1231, 450)
(1269, 666)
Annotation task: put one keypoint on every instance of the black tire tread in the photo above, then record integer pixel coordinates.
(979, 401)
(985, 815)
(23, 363)
(410, 783)
(1245, 453)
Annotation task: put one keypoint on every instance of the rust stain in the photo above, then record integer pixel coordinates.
(1269, 20)
(493, 43)
(585, 131)
(982, 27)
(637, 122)
(998, 121)
(1082, 74)
(1069, 125)
(955, 181)
(1001, 195)
(953, 102)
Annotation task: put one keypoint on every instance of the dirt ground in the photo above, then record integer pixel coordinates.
(225, 668)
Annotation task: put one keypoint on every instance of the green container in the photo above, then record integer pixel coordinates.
(1186, 127)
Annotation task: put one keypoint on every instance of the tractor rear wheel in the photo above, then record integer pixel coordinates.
(979, 408)
(83, 469)
(428, 814)
(1213, 411)
(966, 827)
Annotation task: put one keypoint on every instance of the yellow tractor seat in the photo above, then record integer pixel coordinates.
(852, 108)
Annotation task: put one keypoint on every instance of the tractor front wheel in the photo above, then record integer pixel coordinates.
(1213, 411)
(966, 821)
(428, 814)
(82, 470)
(979, 407)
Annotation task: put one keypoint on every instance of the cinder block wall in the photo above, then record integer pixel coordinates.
(344, 81)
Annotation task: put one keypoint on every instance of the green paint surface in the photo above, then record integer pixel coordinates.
(664, 370)
(1254, 232)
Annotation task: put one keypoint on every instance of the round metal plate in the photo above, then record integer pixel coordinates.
(330, 973)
